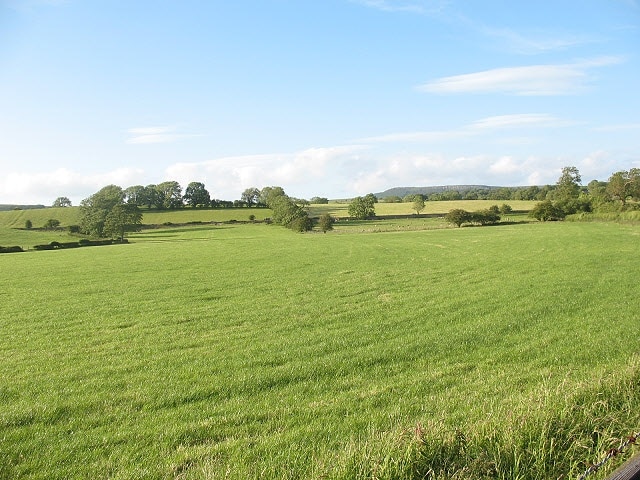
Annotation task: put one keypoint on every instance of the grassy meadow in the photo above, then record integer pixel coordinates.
(247, 351)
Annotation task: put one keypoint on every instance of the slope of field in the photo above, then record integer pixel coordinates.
(248, 351)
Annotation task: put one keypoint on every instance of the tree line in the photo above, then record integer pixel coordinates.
(113, 211)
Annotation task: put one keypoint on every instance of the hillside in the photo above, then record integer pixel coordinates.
(4, 207)
(403, 191)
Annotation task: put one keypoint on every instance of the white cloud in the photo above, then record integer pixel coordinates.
(147, 135)
(45, 187)
(562, 79)
(304, 171)
(482, 126)
(411, 6)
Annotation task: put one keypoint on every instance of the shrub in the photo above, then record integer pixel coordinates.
(74, 228)
(301, 224)
(14, 249)
(52, 224)
(28, 224)
(457, 217)
(325, 223)
(505, 209)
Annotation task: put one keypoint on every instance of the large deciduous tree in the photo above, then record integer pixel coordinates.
(169, 195)
(122, 218)
(196, 195)
(251, 196)
(624, 185)
(568, 185)
(94, 209)
(61, 202)
(362, 207)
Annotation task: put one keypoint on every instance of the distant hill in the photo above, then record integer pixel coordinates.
(5, 207)
(404, 191)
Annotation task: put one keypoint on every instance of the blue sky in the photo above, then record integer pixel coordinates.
(331, 98)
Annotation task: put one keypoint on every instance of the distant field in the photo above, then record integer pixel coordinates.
(248, 351)
(12, 223)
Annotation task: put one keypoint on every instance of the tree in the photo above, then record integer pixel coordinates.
(547, 210)
(325, 223)
(371, 198)
(319, 200)
(418, 204)
(94, 209)
(51, 224)
(28, 224)
(251, 196)
(196, 194)
(624, 185)
(457, 217)
(505, 209)
(61, 202)
(135, 195)
(150, 197)
(568, 185)
(169, 195)
(362, 207)
(122, 218)
(485, 217)
(269, 194)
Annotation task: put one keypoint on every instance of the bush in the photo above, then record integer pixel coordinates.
(52, 224)
(301, 224)
(74, 228)
(14, 249)
(505, 209)
(28, 224)
(325, 223)
(485, 217)
(457, 217)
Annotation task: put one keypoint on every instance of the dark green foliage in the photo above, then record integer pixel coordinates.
(494, 209)
(546, 211)
(362, 207)
(457, 217)
(14, 249)
(251, 196)
(301, 224)
(624, 185)
(196, 195)
(28, 224)
(169, 195)
(325, 223)
(568, 185)
(418, 204)
(392, 199)
(52, 224)
(505, 209)
(319, 200)
(94, 209)
(74, 228)
(485, 217)
(121, 219)
(61, 202)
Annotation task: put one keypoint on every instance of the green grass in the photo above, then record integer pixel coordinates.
(248, 351)
(341, 209)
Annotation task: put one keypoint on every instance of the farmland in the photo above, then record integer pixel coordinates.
(248, 351)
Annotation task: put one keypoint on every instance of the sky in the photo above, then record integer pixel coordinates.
(329, 98)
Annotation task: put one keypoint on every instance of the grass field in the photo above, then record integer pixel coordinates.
(248, 351)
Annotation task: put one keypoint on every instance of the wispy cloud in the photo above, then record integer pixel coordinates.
(484, 125)
(561, 79)
(146, 135)
(534, 42)
(622, 127)
(411, 6)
